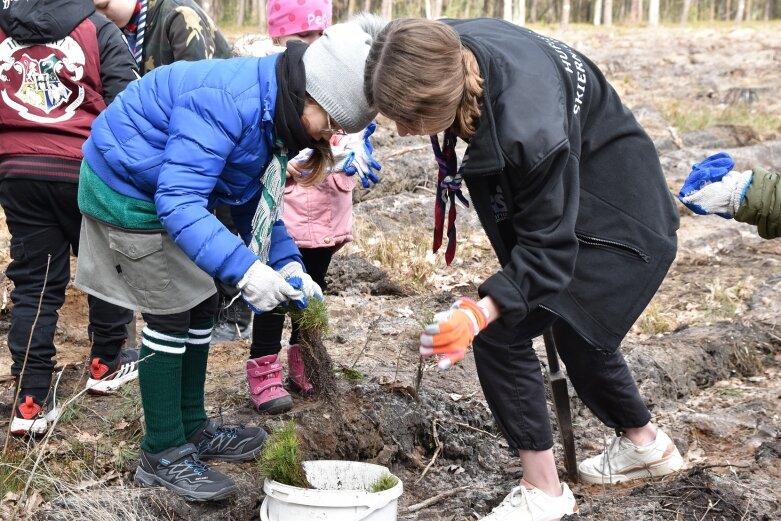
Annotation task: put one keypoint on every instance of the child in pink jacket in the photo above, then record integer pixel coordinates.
(319, 218)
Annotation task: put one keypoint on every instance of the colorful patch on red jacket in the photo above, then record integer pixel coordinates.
(37, 78)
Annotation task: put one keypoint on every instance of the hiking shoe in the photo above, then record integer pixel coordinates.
(238, 443)
(264, 378)
(106, 378)
(296, 372)
(30, 418)
(234, 322)
(180, 471)
(523, 504)
(624, 461)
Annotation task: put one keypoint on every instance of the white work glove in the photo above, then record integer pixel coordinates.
(353, 155)
(263, 289)
(295, 275)
(713, 187)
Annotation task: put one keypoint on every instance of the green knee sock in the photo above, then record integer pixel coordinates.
(194, 377)
(160, 378)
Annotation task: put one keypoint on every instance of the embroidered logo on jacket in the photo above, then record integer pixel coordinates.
(34, 87)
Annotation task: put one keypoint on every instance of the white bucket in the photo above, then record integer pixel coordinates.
(340, 494)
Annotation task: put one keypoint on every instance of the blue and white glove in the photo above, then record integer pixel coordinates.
(263, 289)
(295, 275)
(714, 188)
(353, 155)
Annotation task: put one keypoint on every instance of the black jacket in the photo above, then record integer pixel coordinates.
(567, 185)
(61, 63)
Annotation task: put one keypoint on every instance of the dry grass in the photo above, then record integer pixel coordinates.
(688, 116)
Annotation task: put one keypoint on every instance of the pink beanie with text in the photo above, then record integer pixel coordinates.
(286, 17)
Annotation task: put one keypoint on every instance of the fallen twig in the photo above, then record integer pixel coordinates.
(432, 500)
(436, 451)
(366, 344)
(401, 152)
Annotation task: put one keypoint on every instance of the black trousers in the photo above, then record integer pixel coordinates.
(180, 323)
(512, 381)
(44, 220)
(267, 327)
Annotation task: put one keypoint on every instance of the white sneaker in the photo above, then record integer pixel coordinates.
(30, 418)
(534, 505)
(102, 380)
(624, 461)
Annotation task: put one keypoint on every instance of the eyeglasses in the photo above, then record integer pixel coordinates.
(331, 130)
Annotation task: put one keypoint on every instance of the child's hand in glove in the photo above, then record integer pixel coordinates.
(453, 331)
(295, 275)
(263, 289)
(713, 187)
(353, 155)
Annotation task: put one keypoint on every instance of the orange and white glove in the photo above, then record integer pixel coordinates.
(452, 332)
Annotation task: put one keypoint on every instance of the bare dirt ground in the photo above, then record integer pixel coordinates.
(706, 353)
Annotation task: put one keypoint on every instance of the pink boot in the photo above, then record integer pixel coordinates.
(296, 375)
(264, 377)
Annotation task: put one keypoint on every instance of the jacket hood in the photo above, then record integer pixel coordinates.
(43, 21)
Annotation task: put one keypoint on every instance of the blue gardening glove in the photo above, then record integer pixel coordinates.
(714, 188)
(295, 275)
(263, 289)
(353, 155)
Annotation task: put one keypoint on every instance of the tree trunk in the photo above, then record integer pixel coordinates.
(507, 11)
(728, 10)
(741, 11)
(533, 11)
(634, 12)
(653, 13)
(520, 19)
(208, 7)
(262, 21)
(598, 12)
(367, 5)
(565, 8)
(240, 14)
(437, 10)
(608, 16)
(687, 5)
(387, 9)
(749, 7)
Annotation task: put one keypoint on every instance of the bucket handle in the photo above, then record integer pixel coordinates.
(360, 517)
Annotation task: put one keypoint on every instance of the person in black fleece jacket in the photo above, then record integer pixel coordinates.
(570, 192)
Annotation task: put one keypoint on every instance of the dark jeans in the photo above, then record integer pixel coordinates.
(44, 220)
(267, 327)
(179, 324)
(512, 381)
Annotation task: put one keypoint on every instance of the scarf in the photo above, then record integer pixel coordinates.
(290, 137)
(134, 31)
(291, 94)
(449, 181)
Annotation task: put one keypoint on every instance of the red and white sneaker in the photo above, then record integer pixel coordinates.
(30, 418)
(103, 379)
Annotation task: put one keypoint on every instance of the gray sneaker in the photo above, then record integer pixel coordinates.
(180, 471)
(216, 441)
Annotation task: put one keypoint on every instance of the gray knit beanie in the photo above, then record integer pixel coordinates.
(334, 75)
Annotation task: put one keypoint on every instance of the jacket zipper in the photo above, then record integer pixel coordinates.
(594, 241)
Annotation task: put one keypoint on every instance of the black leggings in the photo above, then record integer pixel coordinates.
(512, 381)
(267, 327)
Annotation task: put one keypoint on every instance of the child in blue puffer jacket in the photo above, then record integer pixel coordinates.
(176, 143)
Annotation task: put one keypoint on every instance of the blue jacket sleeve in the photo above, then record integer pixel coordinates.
(204, 127)
(283, 249)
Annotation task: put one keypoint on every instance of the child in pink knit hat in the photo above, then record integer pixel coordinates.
(319, 218)
(296, 19)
